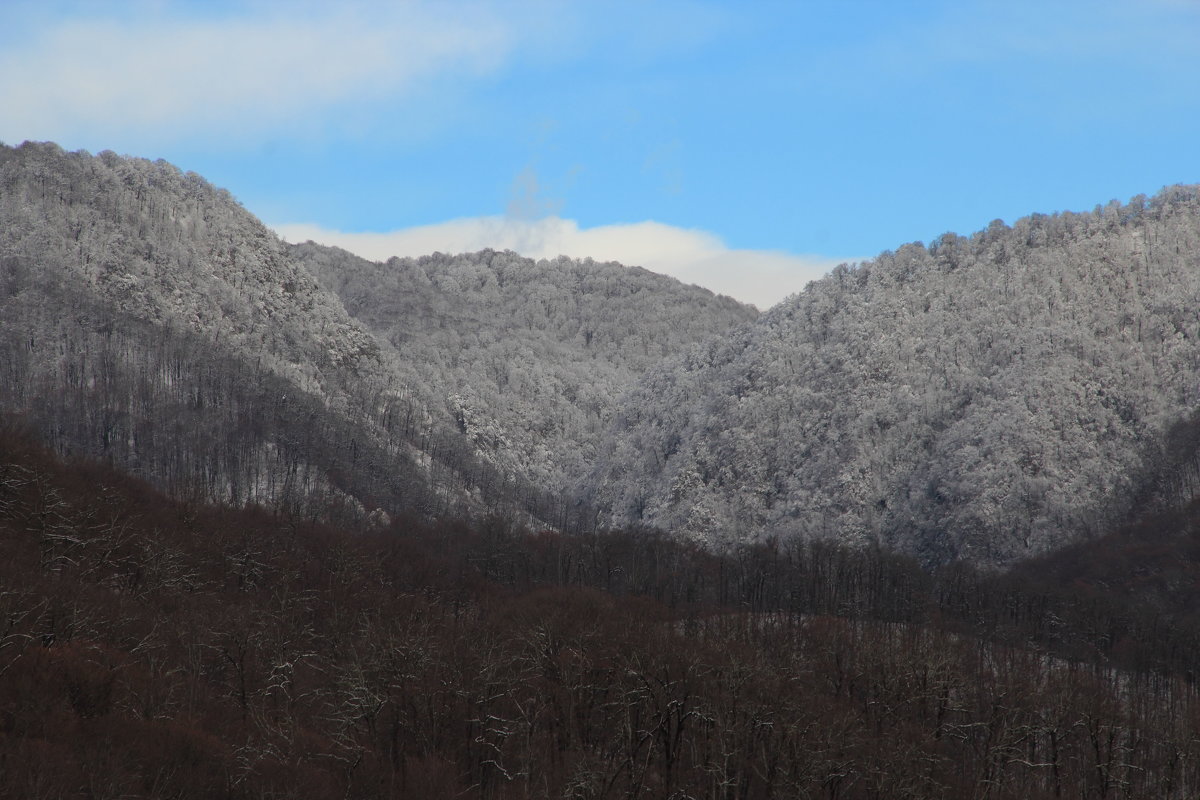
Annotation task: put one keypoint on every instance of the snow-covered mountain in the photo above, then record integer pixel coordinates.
(527, 358)
(148, 319)
(982, 398)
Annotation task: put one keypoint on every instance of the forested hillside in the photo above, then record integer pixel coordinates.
(982, 398)
(273, 519)
(147, 318)
(528, 358)
(152, 648)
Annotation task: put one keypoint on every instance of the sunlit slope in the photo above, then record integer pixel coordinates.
(985, 397)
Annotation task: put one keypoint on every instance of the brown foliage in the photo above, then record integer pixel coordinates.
(155, 649)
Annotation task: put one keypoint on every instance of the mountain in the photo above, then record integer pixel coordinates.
(529, 358)
(146, 318)
(981, 398)
(976, 400)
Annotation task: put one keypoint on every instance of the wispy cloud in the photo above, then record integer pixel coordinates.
(239, 75)
(761, 277)
(1009, 40)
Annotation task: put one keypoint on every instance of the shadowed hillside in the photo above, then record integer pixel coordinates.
(153, 648)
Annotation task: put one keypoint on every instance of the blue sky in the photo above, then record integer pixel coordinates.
(745, 146)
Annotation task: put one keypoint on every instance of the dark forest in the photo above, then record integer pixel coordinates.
(158, 648)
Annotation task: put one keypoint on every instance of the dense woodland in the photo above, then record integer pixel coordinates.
(529, 358)
(156, 648)
(982, 398)
(147, 318)
(276, 521)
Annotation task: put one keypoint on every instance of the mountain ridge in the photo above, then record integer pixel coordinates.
(147, 318)
(984, 398)
(528, 357)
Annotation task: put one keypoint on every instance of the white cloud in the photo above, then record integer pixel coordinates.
(761, 277)
(236, 76)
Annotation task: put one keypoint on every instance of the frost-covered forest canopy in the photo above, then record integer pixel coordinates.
(981, 398)
(529, 358)
(984, 398)
(149, 319)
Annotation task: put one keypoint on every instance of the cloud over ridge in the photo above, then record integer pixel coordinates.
(761, 277)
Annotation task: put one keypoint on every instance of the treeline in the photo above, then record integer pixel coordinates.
(1127, 602)
(152, 648)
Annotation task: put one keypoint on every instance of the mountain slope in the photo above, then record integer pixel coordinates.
(153, 648)
(982, 398)
(529, 358)
(148, 319)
